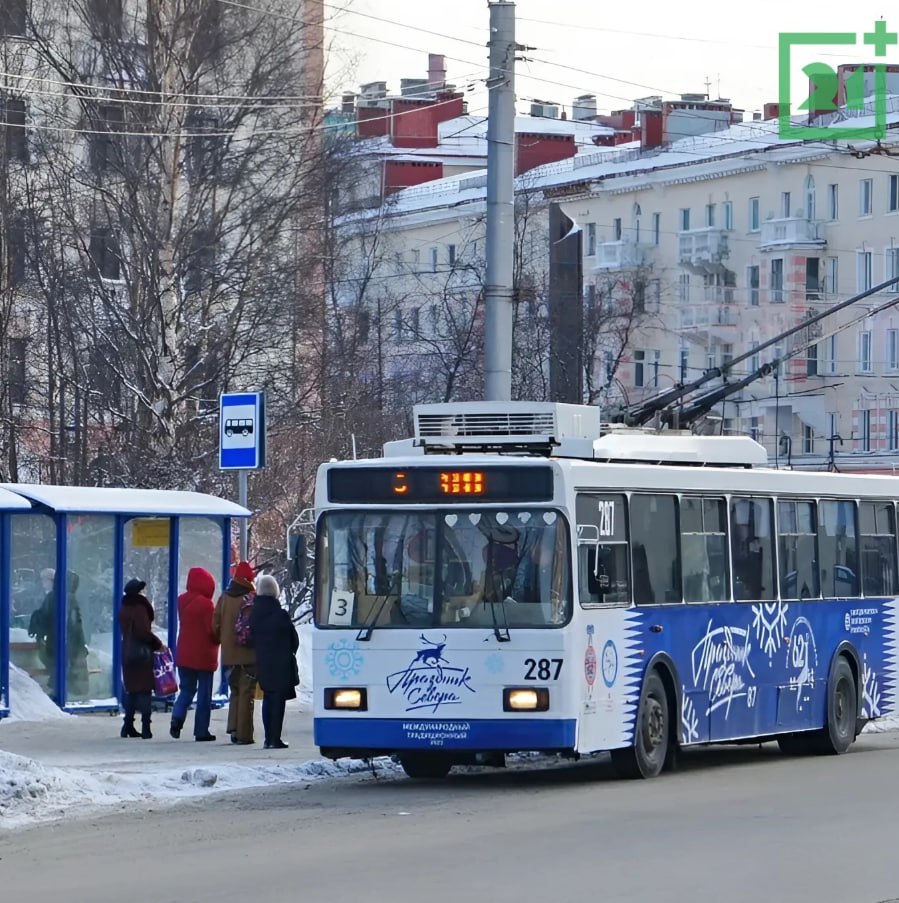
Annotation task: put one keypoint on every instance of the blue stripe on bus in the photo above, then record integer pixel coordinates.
(473, 734)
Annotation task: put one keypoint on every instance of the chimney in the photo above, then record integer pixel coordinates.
(436, 71)
(584, 107)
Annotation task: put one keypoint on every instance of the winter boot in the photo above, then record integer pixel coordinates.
(175, 728)
(128, 729)
(145, 731)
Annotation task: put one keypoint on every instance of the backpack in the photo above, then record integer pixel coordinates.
(242, 634)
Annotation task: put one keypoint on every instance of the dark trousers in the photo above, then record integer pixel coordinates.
(199, 684)
(273, 716)
(136, 703)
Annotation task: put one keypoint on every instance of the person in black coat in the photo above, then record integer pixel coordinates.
(276, 642)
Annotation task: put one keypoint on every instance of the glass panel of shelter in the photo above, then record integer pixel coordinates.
(146, 557)
(90, 605)
(33, 623)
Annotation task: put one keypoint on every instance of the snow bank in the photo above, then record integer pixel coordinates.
(31, 792)
(28, 702)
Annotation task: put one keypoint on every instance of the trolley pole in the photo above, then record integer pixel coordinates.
(500, 203)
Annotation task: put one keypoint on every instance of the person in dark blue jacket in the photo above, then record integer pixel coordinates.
(276, 642)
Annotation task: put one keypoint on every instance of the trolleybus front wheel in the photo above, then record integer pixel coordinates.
(652, 734)
(423, 765)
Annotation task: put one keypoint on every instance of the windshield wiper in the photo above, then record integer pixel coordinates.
(502, 634)
(368, 628)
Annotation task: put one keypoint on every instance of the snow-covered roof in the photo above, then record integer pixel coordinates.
(9, 501)
(106, 500)
(745, 145)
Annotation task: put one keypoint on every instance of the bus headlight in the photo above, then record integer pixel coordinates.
(525, 699)
(350, 698)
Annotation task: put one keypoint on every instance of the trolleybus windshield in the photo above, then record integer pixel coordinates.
(456, 568)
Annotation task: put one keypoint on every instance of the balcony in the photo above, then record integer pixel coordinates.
(707, 317)
(620, 255)
(791, 232)
(703, 250)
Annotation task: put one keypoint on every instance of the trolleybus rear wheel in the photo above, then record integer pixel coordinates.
(652, 734)
(842, 710)
(424, 765)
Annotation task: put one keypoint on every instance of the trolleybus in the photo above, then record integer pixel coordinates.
(515, 578)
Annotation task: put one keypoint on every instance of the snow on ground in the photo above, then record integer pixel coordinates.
(28, 702)
(31, 792)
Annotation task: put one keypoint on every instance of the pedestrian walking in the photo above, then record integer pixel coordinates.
(238, 658)
(138, 645)
(196, 654)
(276, 642)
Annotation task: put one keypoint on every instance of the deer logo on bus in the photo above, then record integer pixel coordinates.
(433, 655)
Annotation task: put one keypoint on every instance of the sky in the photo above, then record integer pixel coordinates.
(619, 52)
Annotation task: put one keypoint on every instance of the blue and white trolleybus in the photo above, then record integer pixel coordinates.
(515, 578)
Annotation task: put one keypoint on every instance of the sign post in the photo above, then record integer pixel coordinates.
(242, 443)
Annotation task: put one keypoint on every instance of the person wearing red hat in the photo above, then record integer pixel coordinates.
(240, 661)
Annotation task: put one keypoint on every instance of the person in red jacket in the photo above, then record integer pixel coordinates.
(197, 653)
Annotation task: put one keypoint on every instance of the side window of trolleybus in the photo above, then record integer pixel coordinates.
(837, 549)
(602, 559)
(798, 533)
(704, 549)
(752, 549)
(877, 526)
(654, 554)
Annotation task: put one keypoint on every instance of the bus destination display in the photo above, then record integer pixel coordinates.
(369, 485)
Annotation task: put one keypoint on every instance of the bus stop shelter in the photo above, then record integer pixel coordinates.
(64, 632)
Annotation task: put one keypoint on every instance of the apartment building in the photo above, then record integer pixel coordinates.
(720, 242)
(154, 222)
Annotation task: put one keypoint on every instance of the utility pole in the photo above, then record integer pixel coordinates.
(500, 203)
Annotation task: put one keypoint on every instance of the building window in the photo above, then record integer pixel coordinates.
(397, 324)
(755, 429)
(812, 279)
(892, 268)
(864, 351)
(656, 228)
(710, 215)
(755, 361)
(104, 145)
(893, 349)
(811, 361)
(808, 439)
(654, 298)
(728, 215)
(451, 255)
(685, 219)
(833, 202)
(591, 239)
(893, 430)
(639, 369)
(865, 438)
(894, 194)
(684, 363)
(200, 263)
(16, 253)
(590, 300)
(832, 277)
(785, 205)
(865, 197)
(433, 260)
(831, 350)
(754, 214)
(777, 280)
(105, 18)
(104, 253)
(17, 370)
(13, 15)
(13, 129)
(752, 280)
(616, 229)
(864, 270)
(811, 201)
(727, 354)
(683, 287)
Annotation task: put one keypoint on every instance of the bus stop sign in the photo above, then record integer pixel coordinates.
(242, 431)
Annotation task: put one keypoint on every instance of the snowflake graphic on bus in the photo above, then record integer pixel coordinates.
(430, 681)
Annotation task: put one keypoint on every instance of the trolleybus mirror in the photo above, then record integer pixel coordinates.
(298, 557)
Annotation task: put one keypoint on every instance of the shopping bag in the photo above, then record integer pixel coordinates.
(164, 673)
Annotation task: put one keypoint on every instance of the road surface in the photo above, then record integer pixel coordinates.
(733, 824)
